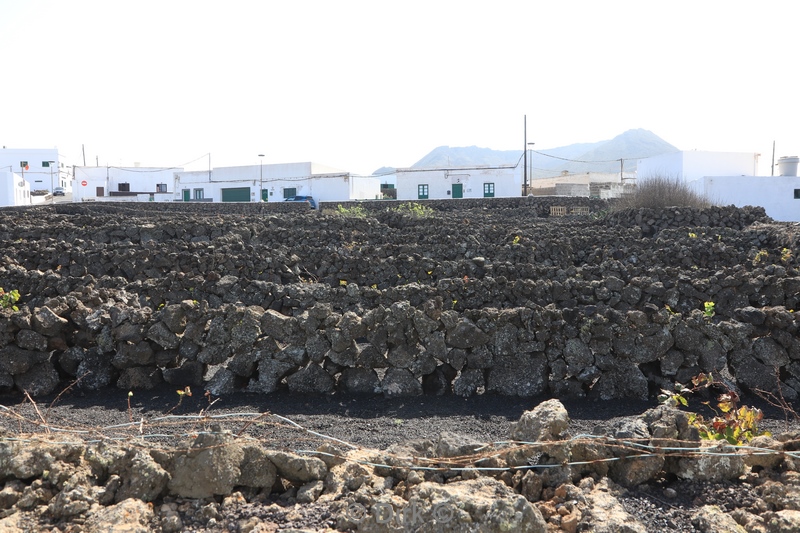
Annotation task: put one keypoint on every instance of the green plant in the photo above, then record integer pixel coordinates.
(8, 299)
(786, 255)
(516, 240)
(692, 235)
(708, 309)
(130, 412)
(181, 395)
(732, 423)
(414, 209)
(760, 256)
(357, 211)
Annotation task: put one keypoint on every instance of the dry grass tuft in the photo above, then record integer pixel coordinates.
(661, 191)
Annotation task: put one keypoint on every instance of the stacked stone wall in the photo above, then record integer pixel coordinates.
(462, 301)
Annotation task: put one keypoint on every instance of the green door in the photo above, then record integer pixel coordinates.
(458, 190)
(238, 194)
(186, 196)
(265, 195)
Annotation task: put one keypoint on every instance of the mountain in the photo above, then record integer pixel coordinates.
(602, 156)
(605, 156)
(446, 156)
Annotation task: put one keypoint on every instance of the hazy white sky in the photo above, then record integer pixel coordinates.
(362, 84)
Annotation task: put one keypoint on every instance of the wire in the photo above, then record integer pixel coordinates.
(599, 161)
(149, 169)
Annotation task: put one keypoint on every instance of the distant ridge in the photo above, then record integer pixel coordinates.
(579, 158)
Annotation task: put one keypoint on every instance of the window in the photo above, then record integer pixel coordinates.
(797, 194)
(488, 190)
(289, 192)
(422, 191)
(124, 187)
(198, 194)
(45, 164)
(161, 187)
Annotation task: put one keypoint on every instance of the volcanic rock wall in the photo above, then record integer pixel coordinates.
(491, 298)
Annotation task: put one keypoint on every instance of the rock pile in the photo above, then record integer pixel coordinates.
(545, 480)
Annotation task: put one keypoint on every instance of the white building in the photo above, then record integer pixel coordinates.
(274, 183)
(251, 183)
(588, 184)
(40, 167)
(14, 190)
(457, 182)
(123, 184)
(693, 165)
(727, 178)
(778, 195)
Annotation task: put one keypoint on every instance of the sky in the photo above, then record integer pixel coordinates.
(358, 85)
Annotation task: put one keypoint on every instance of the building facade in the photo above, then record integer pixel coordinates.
(14, 190)
(457, 182)
(274, 183)
(253, 183)
(729, 178)
(39, 167)
(123, 184)
(693, 165)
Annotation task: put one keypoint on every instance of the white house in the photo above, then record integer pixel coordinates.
(123, 184)
(693, 165)
(40, 167)
(458, 182)
(778, 195)
(14, 190)
(727, 178)
(274, 182)
(592, 184)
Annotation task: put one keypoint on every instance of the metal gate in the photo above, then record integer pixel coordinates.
(238, 194)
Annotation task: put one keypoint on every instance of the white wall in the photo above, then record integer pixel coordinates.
(693, 165)
(40, 177)
(14, 190)
(365, 188)
(142, 180)
(587, 177)
(507, 182)
(776, 194)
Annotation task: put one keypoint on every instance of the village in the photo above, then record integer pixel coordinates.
(40, 176)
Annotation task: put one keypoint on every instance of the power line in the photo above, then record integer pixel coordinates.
(599, 161)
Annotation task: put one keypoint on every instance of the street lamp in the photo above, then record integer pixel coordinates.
(261, 189)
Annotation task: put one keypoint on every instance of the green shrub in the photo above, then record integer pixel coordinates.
(415, 210)
(659, 191)
(732, 423)
(357, 211)
(8, 299)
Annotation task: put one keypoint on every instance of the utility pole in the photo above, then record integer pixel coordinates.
(525, 156)
(621, 177)
(531, 161)
(773, 159)
(261, 188)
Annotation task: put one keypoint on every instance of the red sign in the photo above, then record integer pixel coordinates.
(84, 183)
